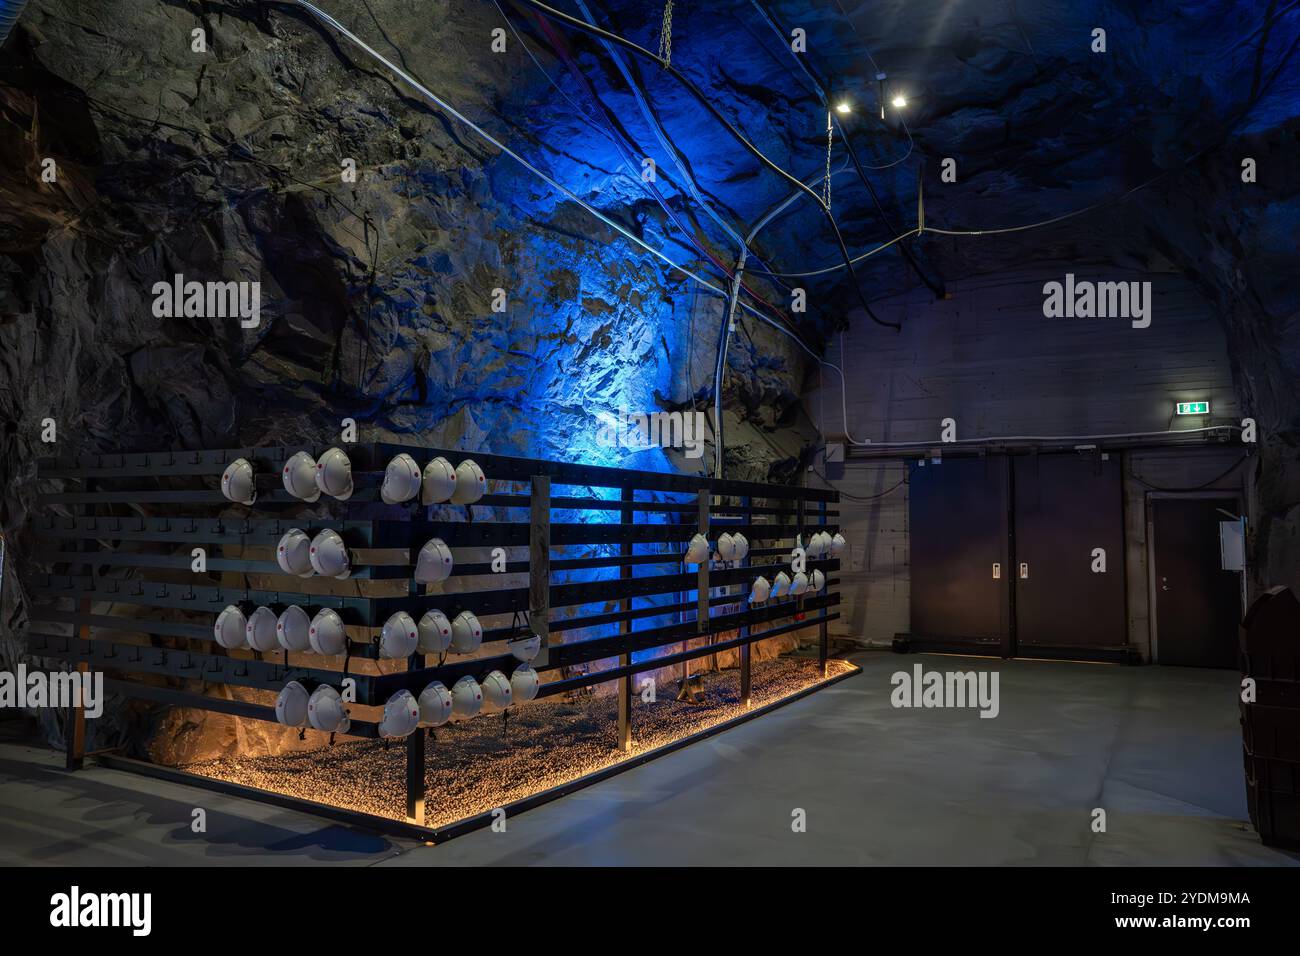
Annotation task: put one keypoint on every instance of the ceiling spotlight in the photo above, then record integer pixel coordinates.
(292, 629)
(466, 633)
(843, 107)
(434, 563)
(291, 705)
(401, 480)
(398, 638)
(325, 710)
(899, 101)
(334, 474)
(329, 555)
(401, 715)
(435, 632)
(237, 482)
(439, 482)
(293, 553)
(470, 483)
(259, 631)
(327, 635)
(466, 698)
(435, 704)
(299, 477)
(231, 627)
(497, 694)
(523, 684)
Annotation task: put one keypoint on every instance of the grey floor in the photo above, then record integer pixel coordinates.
(1159, 749)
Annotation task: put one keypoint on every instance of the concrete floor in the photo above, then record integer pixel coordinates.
(1158, 748)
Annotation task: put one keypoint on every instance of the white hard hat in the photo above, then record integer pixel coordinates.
(439, 482)
(329, 555)
(299, 476)
(781, 584)
(470, 483)
(726, 547)
(231, 627)
(293, 553)
(435, 632)
(293, 629)
(742, 546)
(697, 551)
(401, 480)
(837, 544)
(398, 637)
(291, 705)
(823, 543)
(327, 634)
(818, 580)
(466, 633)
(260, 630)
(810, 544)
(525, 648)
(799, 584)
(325, 710)
(760, 591)
(466, 697)
(434, 562)
(496, 692)
(435, 704)
(523, 684)
(237, 482)
(334, 474)
(401, 715)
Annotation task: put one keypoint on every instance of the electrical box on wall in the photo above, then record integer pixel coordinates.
(1232, 545)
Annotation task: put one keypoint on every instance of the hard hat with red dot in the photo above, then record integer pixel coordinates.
(439, 482)
(398, 637)
(291, 705)
(466, 698)
(525, 648)
(434, 563)
(231, 627)
(237, 482)
(435, 705)
(401, 715)
(466, 633)
(401, 480)
(327, 634)
(325, 710)
(259, 632)
(524, 683)
(329, 555)
(299, 476)
(334, 474)
(496, 692)
(293, 553)
(471, 484)
(293, 629)
(799, 584)
(726, 547)
(435, 632)
(781, 585)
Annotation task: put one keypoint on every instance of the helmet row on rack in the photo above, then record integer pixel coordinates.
(785, 586)
(400, 636)
(734, 546)
(323, 708)
(326, 554)
(307, 478)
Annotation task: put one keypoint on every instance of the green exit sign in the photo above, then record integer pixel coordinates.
(1193, 408)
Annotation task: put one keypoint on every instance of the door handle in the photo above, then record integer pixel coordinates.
(997, 571)
(1024, 570)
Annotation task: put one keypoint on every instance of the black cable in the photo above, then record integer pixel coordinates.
(844, 494)
(585, 27)
(1201, 487)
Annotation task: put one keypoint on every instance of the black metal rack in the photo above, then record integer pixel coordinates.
(118, 575)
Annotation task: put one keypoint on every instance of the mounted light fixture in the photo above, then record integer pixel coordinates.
(439, 482)
(435, 704)
(843, 107)
(398, 638)
(898, 102)
(299, 477)
(401, 480)
(435, 632)
(237, 482)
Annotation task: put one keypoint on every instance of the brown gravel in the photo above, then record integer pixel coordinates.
(481, 764)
